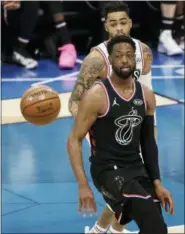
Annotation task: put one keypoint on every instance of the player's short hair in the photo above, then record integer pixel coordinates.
(115, 6)
(119, 39)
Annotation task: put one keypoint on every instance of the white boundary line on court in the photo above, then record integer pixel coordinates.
(38, 79)
(167, 77)
(66, 77)
(181, 100)
(21, 79)
(42, 80)
(168, 66)
(171, 229)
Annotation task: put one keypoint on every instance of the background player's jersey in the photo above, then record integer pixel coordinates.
(102, 48)
(115, 136)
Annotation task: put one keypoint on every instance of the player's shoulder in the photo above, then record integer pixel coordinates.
(102, 45)
(96, 94)
(100, 48)
(137, 42)
(144, 47)
(97, 89)
(95, 62)
(94, 57)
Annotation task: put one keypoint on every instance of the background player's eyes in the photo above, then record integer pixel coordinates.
(123, 23)
(113, 25)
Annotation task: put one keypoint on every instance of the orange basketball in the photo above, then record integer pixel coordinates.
(40, 105)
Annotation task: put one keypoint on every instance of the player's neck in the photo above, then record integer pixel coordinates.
(124, 83)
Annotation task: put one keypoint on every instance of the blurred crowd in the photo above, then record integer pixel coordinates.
(19, 19)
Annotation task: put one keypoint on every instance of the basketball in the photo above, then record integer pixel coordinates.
(40, 105)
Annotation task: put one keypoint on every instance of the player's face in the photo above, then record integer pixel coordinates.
(123, 60)
(118, 23)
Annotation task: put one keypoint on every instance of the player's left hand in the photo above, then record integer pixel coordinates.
(166, 199)
(86, 200)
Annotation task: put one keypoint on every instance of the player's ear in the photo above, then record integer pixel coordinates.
(105, 26)
(130, 23)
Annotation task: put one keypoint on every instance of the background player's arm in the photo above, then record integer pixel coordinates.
(89, 108)
(91, 69)
(148, 143)
(146, 77)
(147, 59)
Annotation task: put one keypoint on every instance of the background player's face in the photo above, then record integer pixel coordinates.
(118, 23)
(123, 60)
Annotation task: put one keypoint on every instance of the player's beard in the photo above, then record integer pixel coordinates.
(123, 74)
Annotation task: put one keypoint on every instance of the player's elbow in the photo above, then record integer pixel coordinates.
(72, 141)
(72, 108)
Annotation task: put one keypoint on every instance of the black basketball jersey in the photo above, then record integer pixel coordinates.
(115, 136)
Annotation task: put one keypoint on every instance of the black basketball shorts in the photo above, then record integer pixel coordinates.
(118, 185)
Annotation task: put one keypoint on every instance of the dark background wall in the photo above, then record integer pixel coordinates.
(146, 21)
(84, 23)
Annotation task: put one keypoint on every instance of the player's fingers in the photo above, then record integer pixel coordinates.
(166, 206)
(80, 205)
(171, 204)
(8, 5)
(84, 206)
(93, 206)
(162, 200)
(11, 6)
(89, 207)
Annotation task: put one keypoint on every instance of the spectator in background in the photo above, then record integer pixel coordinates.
(68, 54)
(179, 29)
(167, 43)
(21, 18)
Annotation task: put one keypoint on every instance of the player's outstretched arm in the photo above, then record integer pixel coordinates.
(90, 106)
(91, 69)
(148, 143)
(150, 153)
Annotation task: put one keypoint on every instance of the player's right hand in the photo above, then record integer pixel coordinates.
(86, 200)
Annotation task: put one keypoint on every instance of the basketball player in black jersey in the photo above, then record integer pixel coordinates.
(95, 67)
(119, 115)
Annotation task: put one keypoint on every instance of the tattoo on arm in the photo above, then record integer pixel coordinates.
(89, 72)
(148, 59)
